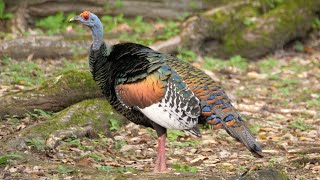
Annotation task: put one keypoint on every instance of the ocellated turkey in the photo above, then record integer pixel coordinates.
(160, 91)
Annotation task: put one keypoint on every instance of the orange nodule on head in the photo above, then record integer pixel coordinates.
(85, 15)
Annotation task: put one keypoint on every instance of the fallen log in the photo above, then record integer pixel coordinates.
(26, 11)
(53, 95)
(251, 29)
(67, 46)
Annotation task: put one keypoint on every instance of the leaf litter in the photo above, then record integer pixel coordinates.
(280, 102)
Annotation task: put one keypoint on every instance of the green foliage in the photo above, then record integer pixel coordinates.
(193, 4)
(116, 170)
(272, 3)
(297, 68)
(5, 159)
(217, 64)
(118, 3)
(185, 168)
(171, 28)
(114, 125)
(4, 15)
(314, 102)
(38, 114)
(316, 23)
(239, 62)
(187, 55)
(268, 65)
(298, 46)
(118, 144)
(139, 26)
(299, 124)
(248, 21)
(97, 156)
(140, 29)
(254, 129)
(189, 143)
(175, 134)
(23, 73)
(64, 170)
(36, 143)
(73, 142)
(286, 82)
(272, 162)
(55, 23)
(69, 65)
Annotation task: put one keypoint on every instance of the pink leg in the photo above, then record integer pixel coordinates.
(161, 165)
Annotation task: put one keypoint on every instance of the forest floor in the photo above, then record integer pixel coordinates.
(279, 97)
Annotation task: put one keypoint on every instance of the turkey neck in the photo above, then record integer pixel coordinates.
(97, 34)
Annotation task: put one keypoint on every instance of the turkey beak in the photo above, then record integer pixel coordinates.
(77, 18)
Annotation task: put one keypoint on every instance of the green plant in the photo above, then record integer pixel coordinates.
(272, 162)
(239, 62)
(272, 3)
(69, 65)
(175, 134)
(114, 125)
(23, 73)
(189, 143)
(36, 143)
(4, 15)
(298, 46)
(55, 23)
(118, 144)
(97, 156)
(193, 4)
(74, 142)
(254, 129)
(64, 170)
(5, 159)
(268, 65)
(185, 168)
(187, 55)
(314, 102)
(139, 26)
(217, 64)
(248, 21)
(38, 114)
(299, 124)
(287, 83)
(118, 3)
(316, 23)
(171, 28)
(117, 170)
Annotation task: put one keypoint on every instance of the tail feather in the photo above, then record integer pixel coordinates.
(240, 132)
(193, 131)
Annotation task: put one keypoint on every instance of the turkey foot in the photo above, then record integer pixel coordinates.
(161, 165)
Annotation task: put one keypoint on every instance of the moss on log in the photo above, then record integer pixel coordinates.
(53, 95)
(72, 121)
(249, 28)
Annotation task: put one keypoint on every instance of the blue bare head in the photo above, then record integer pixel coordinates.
(93, 22)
